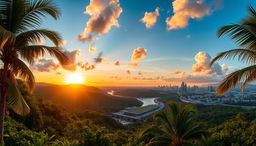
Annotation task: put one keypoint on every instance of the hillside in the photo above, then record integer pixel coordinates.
(79, 97)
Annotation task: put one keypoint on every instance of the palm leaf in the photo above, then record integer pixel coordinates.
(5, 36)
(243, 55)
(20, 69)
(244, 33)
(35, 10)
(234, 78)
(159, 141)
(31, 36)
(16, 100)
(32, 52)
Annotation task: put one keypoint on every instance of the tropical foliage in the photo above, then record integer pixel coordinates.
(244, 35)
(179, 126)
(60, 126)
(19, 21)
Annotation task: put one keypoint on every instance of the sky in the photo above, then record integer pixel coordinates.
(142, 42)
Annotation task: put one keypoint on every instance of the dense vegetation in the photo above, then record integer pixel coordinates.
(50, 123)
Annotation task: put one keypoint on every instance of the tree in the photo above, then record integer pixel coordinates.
(19, 22)
(178, 126)
(244, 34)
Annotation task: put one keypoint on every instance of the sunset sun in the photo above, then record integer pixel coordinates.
(74, 78)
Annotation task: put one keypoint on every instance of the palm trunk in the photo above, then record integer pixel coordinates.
(3, 98)
(2, 112)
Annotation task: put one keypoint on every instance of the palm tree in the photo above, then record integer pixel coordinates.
(19, 21)
(244, 34)
(178, 127)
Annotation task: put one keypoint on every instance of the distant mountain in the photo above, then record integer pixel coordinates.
(79, 97)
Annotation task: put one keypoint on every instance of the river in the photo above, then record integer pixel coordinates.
(122, 117)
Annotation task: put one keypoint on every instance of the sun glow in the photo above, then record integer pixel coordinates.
(75, 78)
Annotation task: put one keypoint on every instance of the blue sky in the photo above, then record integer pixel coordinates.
(166, 50)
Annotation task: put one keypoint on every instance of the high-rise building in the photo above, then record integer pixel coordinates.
(183, 88)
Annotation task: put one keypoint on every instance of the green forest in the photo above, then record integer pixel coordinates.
(50, 123)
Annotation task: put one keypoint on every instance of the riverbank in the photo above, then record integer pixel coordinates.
(135, 114)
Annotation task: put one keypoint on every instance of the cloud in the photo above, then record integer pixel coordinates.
(116, 63)
(86, 66)
(45, 65)
(134, 63)
(190, 9)
(128, 72)
(99, 59)
(177, 72)
(71, 63)
(104, 15)
(202, 65)
(201, 71)
(85, 38)
(92, 48)
(137, 55)
(150, 18)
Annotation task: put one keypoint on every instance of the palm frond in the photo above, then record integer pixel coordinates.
(250, 78)
(32, 52)
(252, 11)
(234, 78)
(243, 34)
(35, 10)
(243, 55)
(5, 36)
(20, 69)
(32, 36)
(168, 125)
(194, 131)
(16, 100)
(160, 141)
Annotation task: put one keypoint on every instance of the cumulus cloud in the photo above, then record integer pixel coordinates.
(201, 71)
(45, 65)
(116, 63)
(150, 18)
(137, 55)
(71, 63)
(104, 15)
(92, 48)
(190, 9)
(202, 65)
